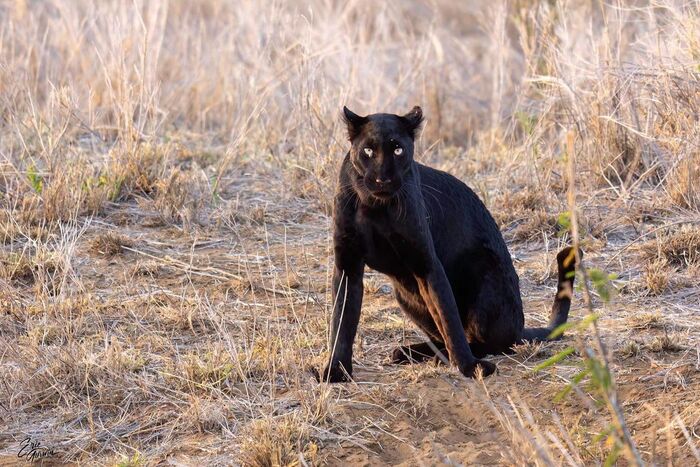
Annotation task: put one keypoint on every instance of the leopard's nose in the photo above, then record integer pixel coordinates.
(381, 181)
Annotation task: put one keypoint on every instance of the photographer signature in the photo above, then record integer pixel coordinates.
(33, 450)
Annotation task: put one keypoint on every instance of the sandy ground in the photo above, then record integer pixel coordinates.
(167, 292)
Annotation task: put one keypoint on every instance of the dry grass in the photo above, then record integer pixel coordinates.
(656, 276)
(166, 174)
(110, 244)
(680, 248)
(666, 343)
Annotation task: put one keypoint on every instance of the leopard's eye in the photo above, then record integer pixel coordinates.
(369, 152)
(398, 151)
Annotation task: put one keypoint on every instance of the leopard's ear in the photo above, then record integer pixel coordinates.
(413, 120)
(354, 122)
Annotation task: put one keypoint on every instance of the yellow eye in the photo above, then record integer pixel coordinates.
(398, 151)
(369, 152)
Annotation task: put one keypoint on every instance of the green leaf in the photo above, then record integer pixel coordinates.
(613, 456)
(561, 329)
(602, 283)
(587, 320)
(564, 220)
(578, 377)
(35, 179)
(116, 189)
(553, 360)
(603, 434)
(600, 374)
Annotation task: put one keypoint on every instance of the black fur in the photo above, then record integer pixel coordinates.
(430, 233)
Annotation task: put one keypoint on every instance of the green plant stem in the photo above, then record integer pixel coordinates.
(610, 394)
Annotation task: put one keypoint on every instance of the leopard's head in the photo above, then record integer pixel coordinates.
(382, 149)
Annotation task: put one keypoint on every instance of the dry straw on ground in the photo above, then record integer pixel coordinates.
(166, 170)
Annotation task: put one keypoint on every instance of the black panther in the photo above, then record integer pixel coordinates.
(440, 247)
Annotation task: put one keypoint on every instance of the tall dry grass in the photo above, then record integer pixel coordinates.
(217, 119)
(94, 83)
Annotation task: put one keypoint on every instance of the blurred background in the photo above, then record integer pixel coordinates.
(265, 81)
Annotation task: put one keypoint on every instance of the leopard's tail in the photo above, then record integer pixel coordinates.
(566, 263)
